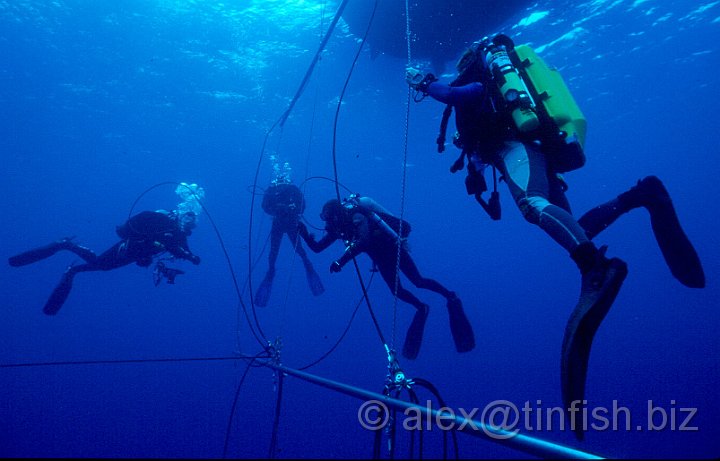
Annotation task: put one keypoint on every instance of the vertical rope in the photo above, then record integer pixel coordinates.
(335, 171)
(403, 182)
(297, 242)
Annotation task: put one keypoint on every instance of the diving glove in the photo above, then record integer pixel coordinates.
(417, 81)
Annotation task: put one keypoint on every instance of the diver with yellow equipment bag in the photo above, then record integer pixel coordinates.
(516, 115)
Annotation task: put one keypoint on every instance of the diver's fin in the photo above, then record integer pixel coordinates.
(460, 327)
(593, 306)
(59, 294)
(414, 337)
(35, 255)
(262, 296)
(316, 285)
(679, 253)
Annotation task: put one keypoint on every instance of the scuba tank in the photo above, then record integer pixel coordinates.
(512, 88)
(387, 222)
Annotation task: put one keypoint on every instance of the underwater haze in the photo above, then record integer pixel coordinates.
(103, 100)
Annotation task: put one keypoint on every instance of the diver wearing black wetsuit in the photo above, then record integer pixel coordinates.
(285, 203)
(144, 236)
(368, 228)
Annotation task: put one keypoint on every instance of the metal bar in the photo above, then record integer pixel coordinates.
(531, 445)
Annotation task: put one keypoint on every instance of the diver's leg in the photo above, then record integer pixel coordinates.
(599, 218)
(313, 279)
(650, 193)
(85, 253)
(556, 191)
(460, 327)
(276, 234)
(386, 266)
(262, 295)
(62, 289)
(526, 173)
(112, 258)
(414, 336)
(409, 268)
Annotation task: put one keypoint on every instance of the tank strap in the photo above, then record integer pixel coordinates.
(443, 128)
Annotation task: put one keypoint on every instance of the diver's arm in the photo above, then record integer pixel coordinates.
(359, 243)
(457, 95)
(178, 247)
(352, 250)
(316, 246)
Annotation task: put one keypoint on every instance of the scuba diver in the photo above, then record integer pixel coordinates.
(515, 114)
(143, 236)
(367, 227)
(285, 203)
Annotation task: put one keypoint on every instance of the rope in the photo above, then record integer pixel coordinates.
(305, 79)
(403, 185)
(276, 420)
(235, 401)
(114, 362)
(334, 157)
(280, 122)
(297, 242)
(222, 246)
(342, 336)
(250, 227)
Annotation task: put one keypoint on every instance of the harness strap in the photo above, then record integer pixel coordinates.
(443, 128)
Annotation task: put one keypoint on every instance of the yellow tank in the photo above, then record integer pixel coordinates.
(512, 88)
(524, 118)
(553, 94)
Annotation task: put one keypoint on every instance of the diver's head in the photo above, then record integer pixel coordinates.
(186, 221)
(333, 213)
(471, 58)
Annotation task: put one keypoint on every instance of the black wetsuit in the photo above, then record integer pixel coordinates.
(366, 235)
(144, 236)
(285, 203)
(366, 227)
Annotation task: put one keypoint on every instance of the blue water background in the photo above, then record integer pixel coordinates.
(102, 100)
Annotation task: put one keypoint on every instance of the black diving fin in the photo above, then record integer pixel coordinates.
(35, 255)
(316, 285)
(414, 337)
(43, 252)
(679, 253)
(460, 327)
(60, 293)
(593, 306)
(262, 296)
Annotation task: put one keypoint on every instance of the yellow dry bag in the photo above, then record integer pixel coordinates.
(564, 124)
